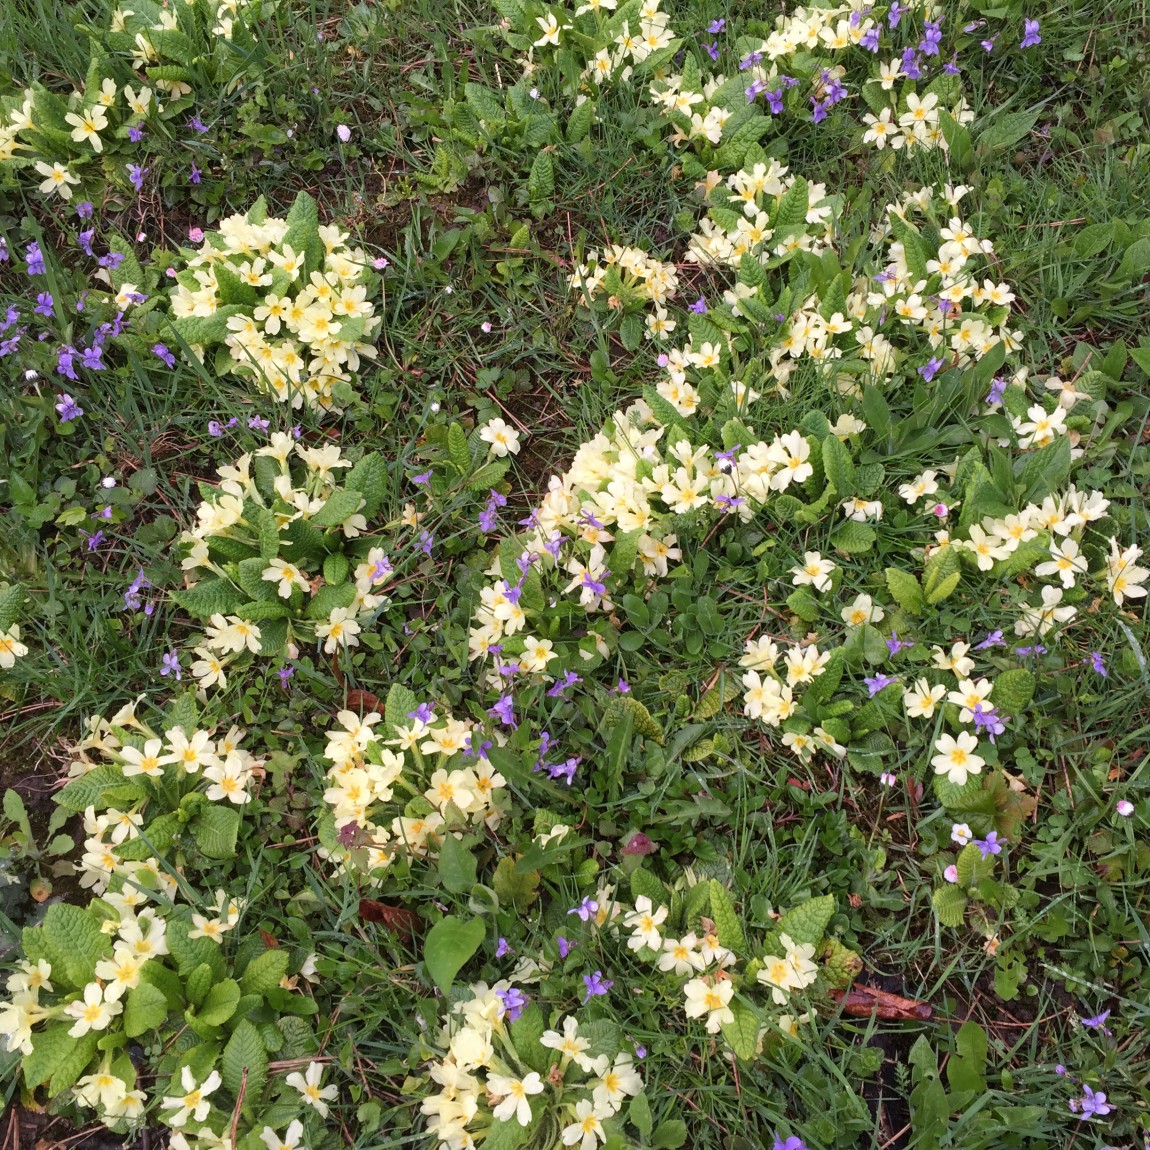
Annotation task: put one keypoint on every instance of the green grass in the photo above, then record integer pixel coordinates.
(469, 245)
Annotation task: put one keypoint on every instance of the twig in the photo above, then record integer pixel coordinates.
(239, 1102)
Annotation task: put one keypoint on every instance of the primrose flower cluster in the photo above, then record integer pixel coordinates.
(492, 1062)
(146, 956)
(276, 555)
(625, 479)
(448, 777)
(288, 299)
(627, 275)
(636, 496)
(572, 1081)
(613, 40)
(59, 137)
(704, 964)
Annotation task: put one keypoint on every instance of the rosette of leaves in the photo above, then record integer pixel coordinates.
(320, 543)
(285, 303)
(190, 49)
(202, 1003)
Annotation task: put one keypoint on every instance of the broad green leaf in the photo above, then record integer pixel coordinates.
(966, 1070)
(726, 919)
(1013, 690)
(336, 568)
(209, 597)
(520, 889)
(839, 466)
(669, 1135)
(369, 478)
(944, 588)
(580, 121)
(486, 105)
(742, 1034)
(808, 921)
(1006, 129)
(541, 179)
(74, 942)
(145, 1009)
(216, 830)
(448, 946)
(55, 1052)
(220, 1003)
(74, 1063)
(188, 953)
(792, 209)
(852, 537)
(245, 1052)
(401, 701)
(624, 552)
(340, 505)
(457, 866)
(950, 905)
(840, 964)
(906, 591)
(803, 603)
(639, 1114)
(645, 885)
(198, 983)
(525, 1032)
(206, 330)
(457, 449)
(972, 867)
(265, 971)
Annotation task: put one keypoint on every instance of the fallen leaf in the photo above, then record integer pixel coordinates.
(863, 1001)
(363, 701)
(395, 918)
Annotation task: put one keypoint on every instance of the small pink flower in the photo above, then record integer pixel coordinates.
(196, 234)
(485, 327)
(343, 132)
(941, 511)
(951, 873)
(1125, 808)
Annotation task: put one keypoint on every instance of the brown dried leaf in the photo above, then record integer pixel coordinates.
(863, 1001)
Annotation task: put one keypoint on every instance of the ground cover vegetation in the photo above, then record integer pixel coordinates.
(572, 574)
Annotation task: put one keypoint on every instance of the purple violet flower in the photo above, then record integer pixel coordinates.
(569, 680)
(1098, 1022)
(35, 259)
(930, 369)
(878, 683)
(1030, 38)
(161, 352)
(586, 910)
(596, 985)
(989, 845)
(1092, 1105)
(503, 709)
(514, 1002)
(68, 408)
